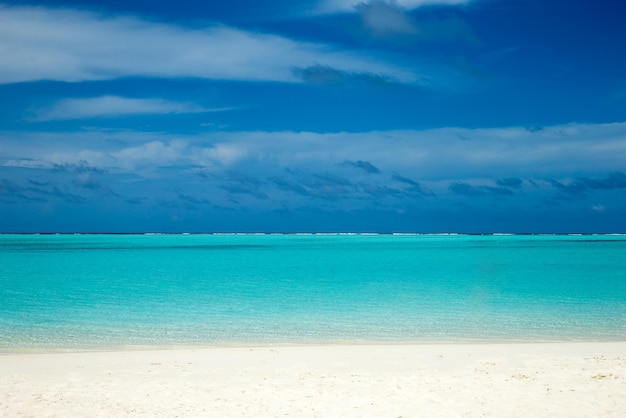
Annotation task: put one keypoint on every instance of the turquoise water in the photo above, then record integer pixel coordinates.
(103, 291)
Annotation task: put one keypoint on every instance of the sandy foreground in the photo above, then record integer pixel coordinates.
(456, 380)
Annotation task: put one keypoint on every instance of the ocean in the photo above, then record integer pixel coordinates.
(91, 291)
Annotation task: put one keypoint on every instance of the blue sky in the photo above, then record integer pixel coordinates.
(322, 115)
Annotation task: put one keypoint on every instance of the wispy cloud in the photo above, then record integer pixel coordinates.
(386, 19)
(582, 185)
(239, 183)
(512, 182)
(113, 106)
(465, 189)
(69, 45)
(363, 165)
(334, 6)
(324, 75)
(414, 187)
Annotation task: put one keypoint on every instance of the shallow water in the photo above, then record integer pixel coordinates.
(103, 291)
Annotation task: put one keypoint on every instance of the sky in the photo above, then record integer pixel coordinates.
(468, 116)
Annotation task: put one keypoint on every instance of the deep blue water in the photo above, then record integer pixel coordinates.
(102, 291)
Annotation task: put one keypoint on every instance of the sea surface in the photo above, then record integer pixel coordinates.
(108, 291)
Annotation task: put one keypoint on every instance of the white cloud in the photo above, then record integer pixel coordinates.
(152, 155)
(38, 43)
(334, 6)
(430, 155)
(109, 106)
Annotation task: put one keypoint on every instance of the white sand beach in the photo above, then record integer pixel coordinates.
(455, 380)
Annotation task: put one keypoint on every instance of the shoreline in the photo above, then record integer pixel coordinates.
(459, 379)
(24, 350)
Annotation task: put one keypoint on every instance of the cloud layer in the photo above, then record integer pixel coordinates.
(449, 173)
(431, 155)
(69, 45)
(112, 106)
